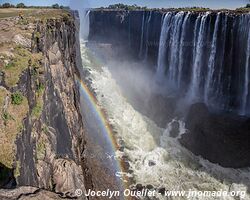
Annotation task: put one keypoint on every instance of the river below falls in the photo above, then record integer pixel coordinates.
(154, 157)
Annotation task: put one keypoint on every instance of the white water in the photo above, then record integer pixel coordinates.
(173, 70)
(181, 54)
(175, 168)
(142, 36)
(162, 48)
(196, 73)
(147, 36)
(211, 61)
(246, 81)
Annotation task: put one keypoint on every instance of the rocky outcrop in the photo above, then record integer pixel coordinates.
(222, 139)
(27, 192)
(50, 146)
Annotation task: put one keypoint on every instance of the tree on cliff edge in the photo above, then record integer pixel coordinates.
(20, 5)
(55, 6)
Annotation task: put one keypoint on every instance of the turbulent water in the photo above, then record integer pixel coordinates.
(154, 157)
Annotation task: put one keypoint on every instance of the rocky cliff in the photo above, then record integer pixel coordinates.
(42, 133)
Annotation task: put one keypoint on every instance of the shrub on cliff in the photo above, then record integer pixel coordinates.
(55, 6)
(16, 98)
(20, 5)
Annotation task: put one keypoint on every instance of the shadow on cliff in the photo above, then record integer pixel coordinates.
(7, 178)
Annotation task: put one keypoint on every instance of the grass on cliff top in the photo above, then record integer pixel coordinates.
(11, 123)
(18, 63)
(32, 14)
(13, 12)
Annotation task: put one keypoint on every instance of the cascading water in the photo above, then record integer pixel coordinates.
(147, 35)
(85, 25)
(162, 48)
(211, 62)
(175, 38)
(154, 157)
(194, 89)
(244, 109)
(182, 50)
(215, 68)
(142, 36)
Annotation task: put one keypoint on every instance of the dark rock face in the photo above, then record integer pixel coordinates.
(51, 145)
(219, 138)
(160, 109)
(136, 31)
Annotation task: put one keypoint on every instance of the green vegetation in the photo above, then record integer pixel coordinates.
(12, 119)
(41, 149)
(248, 5)
(17, 65)
(45, 128)
(22, 5)
(21, 60)
(56, 6)
(40, 89)
(6, 117)
(125, 7)
(17, 169)
(37, 35)
(16, 98)
(7, 5)
(37, 110)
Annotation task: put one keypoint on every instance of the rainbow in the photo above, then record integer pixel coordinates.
(105, 126)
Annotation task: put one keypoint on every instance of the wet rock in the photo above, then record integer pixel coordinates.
(160, 109)
(151, 163)
(139, 187)
(162, 191)
(174, 132)
(219, 138)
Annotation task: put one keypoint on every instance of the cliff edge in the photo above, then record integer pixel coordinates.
(41, 129)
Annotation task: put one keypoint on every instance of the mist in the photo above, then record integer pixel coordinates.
(83, 8)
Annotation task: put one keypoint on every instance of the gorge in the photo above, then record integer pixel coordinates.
(186, 76)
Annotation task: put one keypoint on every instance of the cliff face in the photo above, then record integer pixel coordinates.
(50, 141)
(137, 31)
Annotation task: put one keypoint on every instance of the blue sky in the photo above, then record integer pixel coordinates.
(148, 3)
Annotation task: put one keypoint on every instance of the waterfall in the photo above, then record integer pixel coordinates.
(198, 57)
(173, 70)
(215, 68)
(246, 81)
(181, 52)
(142, 35)
(162, 47)
(85, 25)
(211, 62)
(147, 36)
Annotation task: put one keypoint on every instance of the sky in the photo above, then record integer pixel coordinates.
(149, 3)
